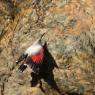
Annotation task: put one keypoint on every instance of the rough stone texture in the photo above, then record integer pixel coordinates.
(70, 27)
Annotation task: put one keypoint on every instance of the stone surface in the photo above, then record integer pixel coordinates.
(70, 27)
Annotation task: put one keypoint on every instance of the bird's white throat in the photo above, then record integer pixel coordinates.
(34, 49)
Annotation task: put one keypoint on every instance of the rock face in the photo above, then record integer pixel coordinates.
(70, 27)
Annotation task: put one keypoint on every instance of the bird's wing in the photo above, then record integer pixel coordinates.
(21, 58)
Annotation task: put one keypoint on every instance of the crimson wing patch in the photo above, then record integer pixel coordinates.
(38, 58)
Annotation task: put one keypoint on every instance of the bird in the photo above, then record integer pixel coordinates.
(33, 56)
(41, 61)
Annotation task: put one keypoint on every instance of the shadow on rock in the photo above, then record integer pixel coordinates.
(46, 72)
